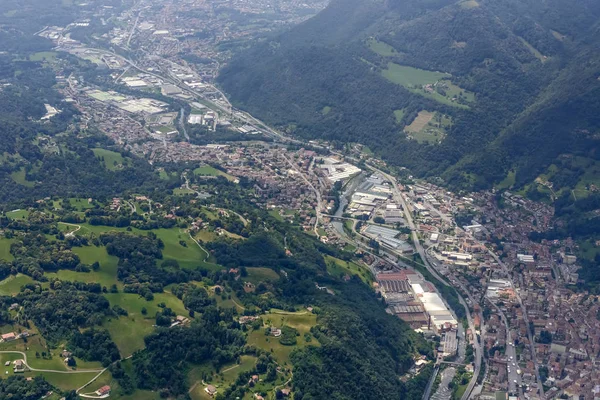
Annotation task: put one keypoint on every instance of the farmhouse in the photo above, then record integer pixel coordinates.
(7, 337)
(104, 390)
(19, 366)
(211, 390)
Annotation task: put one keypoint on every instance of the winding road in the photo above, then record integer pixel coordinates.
(87, 371)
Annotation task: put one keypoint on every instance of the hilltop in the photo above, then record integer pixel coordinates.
(503, 89)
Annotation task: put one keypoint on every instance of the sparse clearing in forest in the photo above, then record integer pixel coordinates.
(429, 127)
(381, 48)
(20, 178)
(399, 114)
(432, 84)
(533, 50)
(112, 160)
(339, 268)
(301, 321)
(468, 4)
(207, 170)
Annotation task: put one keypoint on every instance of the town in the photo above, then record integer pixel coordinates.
(460, 269)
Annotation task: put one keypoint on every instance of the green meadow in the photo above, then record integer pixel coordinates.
(5, 249)
(106, 274)
(112, 160)
(302, 321)
(207, 170)
(338, 268)
(414, 78)
(12, 285)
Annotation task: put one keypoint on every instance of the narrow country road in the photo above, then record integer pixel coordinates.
(72, 233)
(87, 371)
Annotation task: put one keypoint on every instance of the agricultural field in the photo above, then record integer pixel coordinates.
(431, 84)
(207, 170)
(301, 321)
(337, 267)
(428, 127)
(112, 160)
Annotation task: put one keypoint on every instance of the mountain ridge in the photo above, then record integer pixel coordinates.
(516, 57)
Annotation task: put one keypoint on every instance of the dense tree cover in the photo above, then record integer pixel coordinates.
(527, 111)
(214, 338)
(194, 298)
(137, 266)
(17, 387)
(361, 345)
(59, 313)
(94, 345)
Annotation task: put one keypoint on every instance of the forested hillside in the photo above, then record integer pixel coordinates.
(501, 86)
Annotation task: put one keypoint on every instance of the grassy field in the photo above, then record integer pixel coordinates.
(80, 204)
(258, 274)
(128, 332)
(5, 249)
(410, 77)
(189, 256)
(301, 321)
(112, 160)
(337, 267)
(17, 214)
(381, 48)
(507, 182)
(414, 79)
(43, 56)
(207, 170)
(399, 114)
(106, 275)
(12, 285)
(19, 177)
(326, 110)
(164, 129)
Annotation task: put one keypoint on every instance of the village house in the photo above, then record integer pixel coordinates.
(211, 390)
(103, 391)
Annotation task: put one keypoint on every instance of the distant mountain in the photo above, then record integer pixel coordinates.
(479, 93)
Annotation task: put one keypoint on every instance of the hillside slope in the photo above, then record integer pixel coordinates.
(516, 78)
